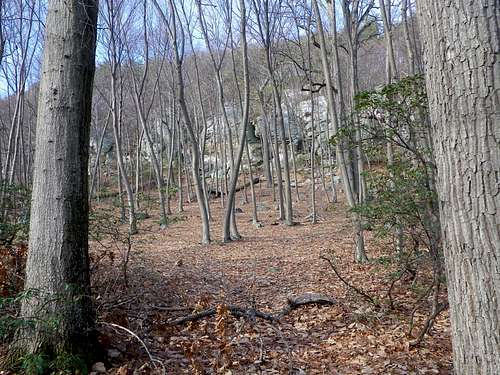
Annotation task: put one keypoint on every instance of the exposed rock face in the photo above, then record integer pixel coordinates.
(299, 121)
(254, 145)
(297, 116)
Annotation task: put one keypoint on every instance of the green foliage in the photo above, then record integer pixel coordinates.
(43, 362)
(68, 363)
(117, 200)
(14, 213)
(9, 310)
(395, 113)
(34, 364)
(344, 133)
(400, 99)
(62, 363)
(399, 195)
(399, 190)
(172, 191)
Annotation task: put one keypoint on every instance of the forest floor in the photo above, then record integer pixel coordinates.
(170, 275)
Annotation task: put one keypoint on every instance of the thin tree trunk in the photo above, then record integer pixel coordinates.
(360, 255)
(98, 157)
(265, 141)
(412, 66)
(230, 231)
(172, 26)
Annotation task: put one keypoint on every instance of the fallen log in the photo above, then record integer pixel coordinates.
(217, 194)
(293, 302)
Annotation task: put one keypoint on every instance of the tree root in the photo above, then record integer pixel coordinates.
(293, 302)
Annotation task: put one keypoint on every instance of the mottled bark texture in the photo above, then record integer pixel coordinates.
(461, 49)
(58, 263)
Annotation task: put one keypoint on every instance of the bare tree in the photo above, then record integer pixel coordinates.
(143, 110)
(176, 38)
(266, 17)
(230, 232)
(114, 20)
(342, 160)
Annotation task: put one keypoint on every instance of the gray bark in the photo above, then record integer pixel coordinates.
(347, 178)
(412, 67)
(98, 157)
(58, 262)
(181, 97)
(230, 233)
(265, 140)
(461, 49)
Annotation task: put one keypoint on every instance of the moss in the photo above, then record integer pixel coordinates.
(47, 361)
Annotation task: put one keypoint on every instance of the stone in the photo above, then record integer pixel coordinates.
(262, 207)
(99, 368)
(114, 353)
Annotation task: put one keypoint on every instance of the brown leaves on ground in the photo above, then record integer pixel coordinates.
(171, 275)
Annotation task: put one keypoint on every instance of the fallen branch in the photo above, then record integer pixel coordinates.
(293, 302)
(359, 291)
(153, 360)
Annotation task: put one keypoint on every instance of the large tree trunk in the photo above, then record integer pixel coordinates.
(461, 60)
(58, 262)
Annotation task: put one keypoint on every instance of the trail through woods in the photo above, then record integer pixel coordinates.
(171, 275)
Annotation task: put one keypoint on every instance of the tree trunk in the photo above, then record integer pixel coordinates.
(58, 261)
(461, 60)
(265, 141)
(98, 158)
(412, 67)
(230, 231)
(350, 192)
(181, 97)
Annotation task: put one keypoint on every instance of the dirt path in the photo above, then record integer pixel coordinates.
(169, 271)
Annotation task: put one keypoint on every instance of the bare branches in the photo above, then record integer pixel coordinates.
(357, 290)
(293, 302)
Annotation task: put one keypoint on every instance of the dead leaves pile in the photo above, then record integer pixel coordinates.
(171, 276)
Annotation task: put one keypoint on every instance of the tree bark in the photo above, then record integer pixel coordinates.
(181, 97)
(461, 62)
(58, 262)
(347, 176)
(228, 232)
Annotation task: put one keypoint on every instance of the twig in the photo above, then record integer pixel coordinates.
(437, 308)
(174, 308)
(151, 358)
(121, 303)
(429, 323)
(359, 291)
(389, 291)
(419, 304)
